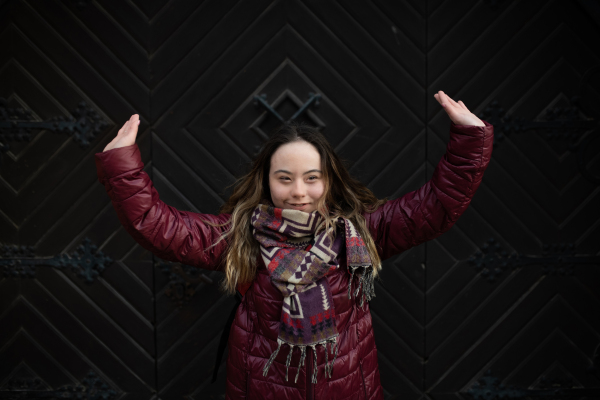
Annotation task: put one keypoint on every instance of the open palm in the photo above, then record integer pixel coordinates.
(126, 135)
(458, 112)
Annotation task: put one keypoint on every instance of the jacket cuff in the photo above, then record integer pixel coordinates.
(117, 161)
(471, 130)
(471, 142)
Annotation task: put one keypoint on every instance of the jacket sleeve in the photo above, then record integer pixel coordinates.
(171, 234)
(431, 210)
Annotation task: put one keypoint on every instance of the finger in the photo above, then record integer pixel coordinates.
(445, 100)
(126, 127)
(438, 97)
(450, 100)
(463, 105)
(134, 123)
(128, 124)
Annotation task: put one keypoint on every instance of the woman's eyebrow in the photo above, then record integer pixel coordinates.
(288, 172)
(312, 170)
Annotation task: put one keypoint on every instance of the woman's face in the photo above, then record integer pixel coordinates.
(295, 177)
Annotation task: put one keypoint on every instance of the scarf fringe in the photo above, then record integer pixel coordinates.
(268, 364)
(287, 362)
(333, 343)
(366, 281)
(315, 364)
(301, 363)
(328, 366)
(350, 282)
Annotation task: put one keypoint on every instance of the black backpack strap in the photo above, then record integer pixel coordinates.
(225, 336)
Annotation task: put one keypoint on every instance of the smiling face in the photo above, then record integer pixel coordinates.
(295, 177)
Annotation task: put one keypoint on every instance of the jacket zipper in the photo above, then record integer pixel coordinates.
(310, 387)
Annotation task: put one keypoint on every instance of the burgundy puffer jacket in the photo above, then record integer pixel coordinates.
(396, 226)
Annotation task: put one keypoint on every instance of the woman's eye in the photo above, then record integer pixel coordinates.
(313, 178)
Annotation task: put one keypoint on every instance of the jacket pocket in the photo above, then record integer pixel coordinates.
(362, 377)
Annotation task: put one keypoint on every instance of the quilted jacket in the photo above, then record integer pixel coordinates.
(396, 226)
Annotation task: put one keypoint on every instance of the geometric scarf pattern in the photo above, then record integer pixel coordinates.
(299, 253)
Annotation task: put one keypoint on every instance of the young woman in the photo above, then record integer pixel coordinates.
(301, 240)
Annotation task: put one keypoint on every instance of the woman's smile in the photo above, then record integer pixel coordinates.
(298, 206)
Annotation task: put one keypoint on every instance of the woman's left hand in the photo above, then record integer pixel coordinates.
(458, 112)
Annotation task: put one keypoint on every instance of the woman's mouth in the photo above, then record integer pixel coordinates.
(298, 206)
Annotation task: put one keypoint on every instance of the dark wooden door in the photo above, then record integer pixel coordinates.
(509, 295)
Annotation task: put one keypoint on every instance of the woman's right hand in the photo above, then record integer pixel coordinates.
(126, 135)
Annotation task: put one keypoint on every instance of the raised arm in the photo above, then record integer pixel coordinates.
(171, 234)
(431, 210)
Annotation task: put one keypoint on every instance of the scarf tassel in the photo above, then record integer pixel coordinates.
(287, 362)
(350, 282)
(333, 347)
(268, 364)
(314, 377)
(366, 281)
(301, 363)
(333, 344)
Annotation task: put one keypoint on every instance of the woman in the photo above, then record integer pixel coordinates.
(301, 240)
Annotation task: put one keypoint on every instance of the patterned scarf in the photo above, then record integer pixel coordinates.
(298, 253)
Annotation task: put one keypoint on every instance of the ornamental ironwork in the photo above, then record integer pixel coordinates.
(560, 123)
(491, 260)
(313, 99)
(183, 280)
(489, 387)
(91, 388)
(86, 261)
(17, 124)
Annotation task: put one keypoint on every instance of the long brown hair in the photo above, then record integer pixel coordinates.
(344, 196)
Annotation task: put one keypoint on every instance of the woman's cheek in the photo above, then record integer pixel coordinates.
(317, 191)
(277, 195)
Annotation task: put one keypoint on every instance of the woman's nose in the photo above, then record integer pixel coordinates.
(298, 189)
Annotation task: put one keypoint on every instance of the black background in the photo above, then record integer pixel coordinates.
(511, 291)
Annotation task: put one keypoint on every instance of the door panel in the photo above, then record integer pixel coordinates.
(511, 289)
